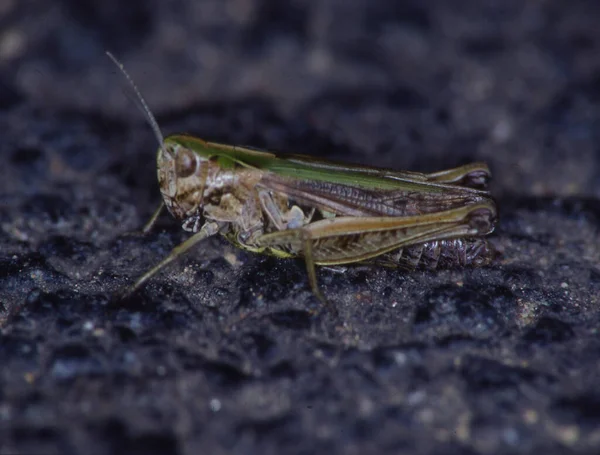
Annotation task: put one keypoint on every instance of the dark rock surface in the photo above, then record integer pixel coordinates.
(221, 353)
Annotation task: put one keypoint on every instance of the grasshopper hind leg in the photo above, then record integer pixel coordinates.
(474, 175)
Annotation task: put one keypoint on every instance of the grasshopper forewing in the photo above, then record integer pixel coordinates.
(327, 213)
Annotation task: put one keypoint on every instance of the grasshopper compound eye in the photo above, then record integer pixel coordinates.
(186, 163)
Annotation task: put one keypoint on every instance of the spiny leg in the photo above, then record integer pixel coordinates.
(345, 240)
(206, 231)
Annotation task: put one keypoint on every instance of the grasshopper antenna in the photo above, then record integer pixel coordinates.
(144, 106)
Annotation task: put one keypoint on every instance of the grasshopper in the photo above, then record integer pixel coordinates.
(330, 214)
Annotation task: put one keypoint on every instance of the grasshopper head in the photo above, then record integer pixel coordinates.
(182, 168)
(182, 174)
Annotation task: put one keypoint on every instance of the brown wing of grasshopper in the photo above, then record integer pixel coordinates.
(345, 240)
(412, 193)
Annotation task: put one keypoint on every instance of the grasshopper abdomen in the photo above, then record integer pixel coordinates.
(442, 254)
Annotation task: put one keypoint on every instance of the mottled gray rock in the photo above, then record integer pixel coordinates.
(222, 353)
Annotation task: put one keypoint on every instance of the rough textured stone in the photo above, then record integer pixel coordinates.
(222, 353)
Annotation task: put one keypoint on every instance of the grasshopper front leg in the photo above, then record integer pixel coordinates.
(282, 217)
(207, 230)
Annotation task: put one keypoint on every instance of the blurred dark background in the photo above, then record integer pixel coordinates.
(223, 353)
